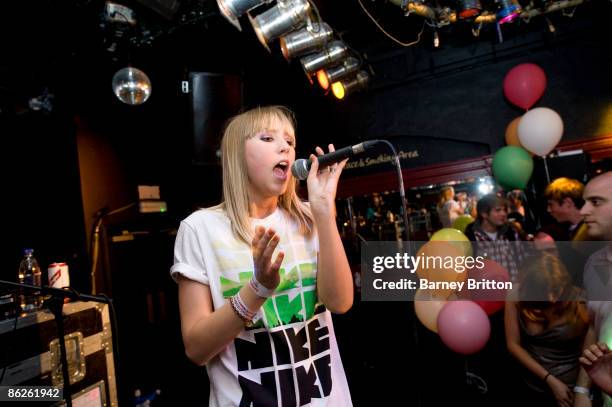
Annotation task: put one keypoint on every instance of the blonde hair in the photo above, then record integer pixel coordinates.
(562, 188)
(446, 194)
(235, 178)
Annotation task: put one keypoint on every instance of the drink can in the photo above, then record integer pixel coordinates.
(58, 275)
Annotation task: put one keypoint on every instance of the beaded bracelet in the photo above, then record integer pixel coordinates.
(259, 289)
(242, 310)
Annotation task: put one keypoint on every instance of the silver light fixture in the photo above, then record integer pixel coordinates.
(132, 86)
(331, 54)
(301, 42)
(286, 16)
(233, 9)
(347, 86)
(328, 76)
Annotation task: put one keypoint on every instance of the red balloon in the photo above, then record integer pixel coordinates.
(524, 85)
(490, 298)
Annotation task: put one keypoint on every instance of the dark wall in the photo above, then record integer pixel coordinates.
(42, 194)
(471, 106)
(465, 102)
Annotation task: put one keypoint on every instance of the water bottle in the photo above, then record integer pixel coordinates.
(29, 273)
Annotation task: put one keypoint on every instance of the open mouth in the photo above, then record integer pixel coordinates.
(281, 169)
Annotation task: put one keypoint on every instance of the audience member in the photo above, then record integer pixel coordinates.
(448, 209)
(546, 324)
(494, 236)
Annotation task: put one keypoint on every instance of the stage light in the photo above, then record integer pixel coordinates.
(301, 42)
(485, 187)
(328, 76)
(345, 87)
(131, 86)
(508, 11)
(233, 9)
(286, 16)
(332, 53)
(468, 8)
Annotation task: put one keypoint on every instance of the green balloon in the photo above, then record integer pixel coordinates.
(462, 222)
(449, 235)
(512, 167)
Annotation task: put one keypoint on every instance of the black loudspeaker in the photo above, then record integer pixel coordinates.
(574, 165)
(214, 99)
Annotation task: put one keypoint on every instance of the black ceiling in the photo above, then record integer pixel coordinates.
(56, 44)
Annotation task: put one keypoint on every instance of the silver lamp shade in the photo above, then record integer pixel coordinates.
(233, 9)
(286, 16)
(330, 75)
(352, 85)
(304, 41)
(331, 54)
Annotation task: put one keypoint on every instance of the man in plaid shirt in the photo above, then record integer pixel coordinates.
(494, 237)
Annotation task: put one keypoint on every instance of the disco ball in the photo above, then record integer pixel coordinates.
(131, 86)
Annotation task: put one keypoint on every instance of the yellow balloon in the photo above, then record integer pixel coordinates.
(437, 266)
(512, 133)
(427, 307)
(512, 138)
(462, 222)
(456, 237)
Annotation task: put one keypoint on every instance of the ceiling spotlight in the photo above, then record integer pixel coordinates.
(331, 54)
(328, 76)
(131, 86)
(345, 87)
(508, 11)
(233, 9)
(306, 40)
(468, 8)
(286, 16)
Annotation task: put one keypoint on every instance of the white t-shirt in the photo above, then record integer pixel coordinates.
(492, 235)
(290, 357)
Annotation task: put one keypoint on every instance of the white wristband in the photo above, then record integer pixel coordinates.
(583, 390)
(260, 290)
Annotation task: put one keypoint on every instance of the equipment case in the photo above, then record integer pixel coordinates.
(30, 352)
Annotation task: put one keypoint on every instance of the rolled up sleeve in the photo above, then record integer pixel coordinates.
(189, 256)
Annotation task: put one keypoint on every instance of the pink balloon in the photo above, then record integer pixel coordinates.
(463, 326)
(524, 85)
(489, 298)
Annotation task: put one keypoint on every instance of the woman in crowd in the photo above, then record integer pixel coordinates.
(546, 324)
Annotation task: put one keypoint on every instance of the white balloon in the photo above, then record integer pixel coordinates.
(540, 130)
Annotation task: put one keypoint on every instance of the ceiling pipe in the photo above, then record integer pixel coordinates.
(556, 6)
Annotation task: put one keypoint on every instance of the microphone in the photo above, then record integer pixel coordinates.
(301, 167)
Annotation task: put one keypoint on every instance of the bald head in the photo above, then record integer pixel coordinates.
(597, 209)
